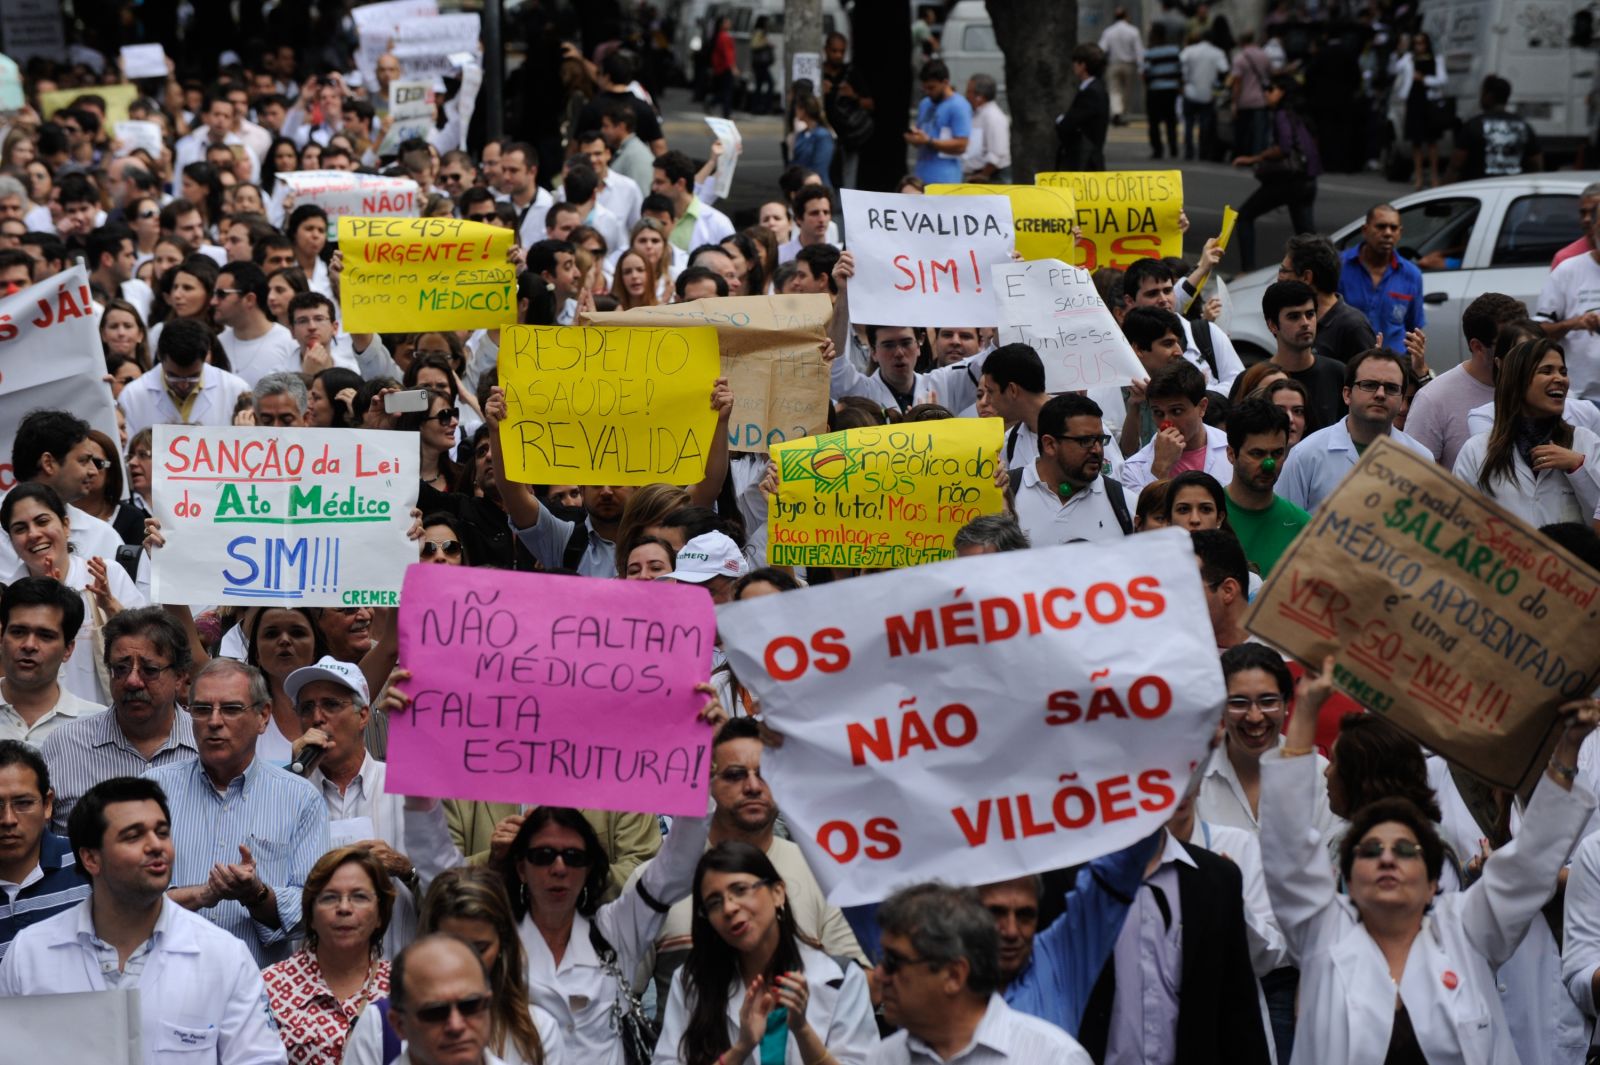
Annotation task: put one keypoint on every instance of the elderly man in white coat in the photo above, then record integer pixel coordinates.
(201, 997)
(182, 388)
(439, 1003)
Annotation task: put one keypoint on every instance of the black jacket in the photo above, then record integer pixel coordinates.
(1082, 130)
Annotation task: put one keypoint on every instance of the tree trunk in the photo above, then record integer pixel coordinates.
(1036, 37)
(881, 52)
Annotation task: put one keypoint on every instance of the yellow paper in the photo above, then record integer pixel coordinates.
(1229, 217)
(1042, 216)
(884, 496)
(117, 98)
(403, 275)
(607, 404)
(1125, 215)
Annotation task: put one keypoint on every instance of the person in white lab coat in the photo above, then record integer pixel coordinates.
(749, 959)
(1393, 967)
(201, 998)
(182, 388)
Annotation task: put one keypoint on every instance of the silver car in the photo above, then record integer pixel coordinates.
(1493, 235)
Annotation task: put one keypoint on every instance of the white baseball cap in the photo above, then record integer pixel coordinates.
(708, 555)
(327, 668)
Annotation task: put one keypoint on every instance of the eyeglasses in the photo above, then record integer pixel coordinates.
(447, 548)
(712, 904)
(1404, 849)
(218, 293)
(230, 711)
(21, 807)
(738, 774)
(891, 962)
(439, 1012)
(446, 416)
(329, 706)
(315, 319)
(571, 857)
(100, 464)
(182, 379)
(1088, 440)
(903, 342)
(148, 216)
(1388, 388)
(1267, 704)
(147, 670)
(358, 900)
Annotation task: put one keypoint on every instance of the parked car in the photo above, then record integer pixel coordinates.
(1493, 235)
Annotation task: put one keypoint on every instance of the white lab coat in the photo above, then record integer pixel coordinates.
(200, 996)
(1347, 1002)
(1544, 497)
(839, 1011)
(1582, 925)
(145, 402)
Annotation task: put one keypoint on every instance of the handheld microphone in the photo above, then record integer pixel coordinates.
(308, 757)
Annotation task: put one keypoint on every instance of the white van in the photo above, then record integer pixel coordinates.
(968, 45)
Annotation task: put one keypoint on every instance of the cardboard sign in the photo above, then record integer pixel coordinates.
(1449, 616)
(50, 359)
(924, 260)
(983, 718)
(343, 194)
(771, 356)
(607, 404)
(117, 98)
(565, 691)
(1125, 215)
(1056, 310)
(725, 131)
(883, 496)
(410, 274)
(1043, 216)
(411, 112)
(255, 516)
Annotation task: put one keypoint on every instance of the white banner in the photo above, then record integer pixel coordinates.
(317, 517)
(410, 114)
(425, 46)
(377, 25)
(53, 1028)
(924, 260)
(50, 358)
(725, 131)
(143, 61)
(1056, 310)
(341, 193)
(983, 718)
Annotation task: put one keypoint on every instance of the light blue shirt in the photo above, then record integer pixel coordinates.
(950, 117)
(1319, 462)
(278, 815)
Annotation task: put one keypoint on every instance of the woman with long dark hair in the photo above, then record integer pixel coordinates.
(1533, 462)
(748, 961)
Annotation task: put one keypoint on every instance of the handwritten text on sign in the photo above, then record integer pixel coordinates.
(607, 404)
(343, 194)
(1043, 215)
(923, 740)
(404, 274)
(566, 691)
(1124, 214)
(924, 260)
(771, 355)
(317, 517)
(1449, 616)
(1056, 310)
(883, 496)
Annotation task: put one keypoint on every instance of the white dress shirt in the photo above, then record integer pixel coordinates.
(1048, 519)
(1318, 463)
(1003, 1036)
(990, 141)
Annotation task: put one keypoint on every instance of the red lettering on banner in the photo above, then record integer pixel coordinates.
(1148, 698)
(954, 725)
(1072, 807)
(842, 841)
(832, 654)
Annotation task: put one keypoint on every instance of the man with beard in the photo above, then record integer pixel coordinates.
(1258, 443)
(746, 812)
(129, 934)
(1063, 496)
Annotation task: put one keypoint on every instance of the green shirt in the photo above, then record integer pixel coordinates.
(1266, 534)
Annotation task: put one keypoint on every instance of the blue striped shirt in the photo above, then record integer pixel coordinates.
(84, 752)
(61, 886)
(278, 815)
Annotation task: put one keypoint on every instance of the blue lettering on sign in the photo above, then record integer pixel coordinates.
(274, 567)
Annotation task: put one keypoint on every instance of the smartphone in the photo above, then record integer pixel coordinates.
(405, 402)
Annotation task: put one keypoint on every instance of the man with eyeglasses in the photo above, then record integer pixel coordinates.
(200, 995)
(38, 875)
(940, 977)
(1065, 495)
(320, 343)
(246, 833)
(440, 1003)
(1374, 385)
(255, 345)
(39, 619)
(746, 811)
(331, 700)
(477, 204)
(147, 657)
(456, 173)
(183, 388)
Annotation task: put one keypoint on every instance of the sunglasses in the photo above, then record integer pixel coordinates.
(490, 217)
(439, 1012)
(447, 548)
(446, 416)
(1400, 848)
(572, 857)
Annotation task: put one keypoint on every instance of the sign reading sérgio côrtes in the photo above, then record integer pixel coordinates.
(1124, 215)
(1448, 615)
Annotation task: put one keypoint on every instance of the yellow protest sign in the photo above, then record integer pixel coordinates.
(1124, 215)
(607, 404)
(409, 274)
(1041, 215)
(1229, 218)
(117, 98)
(883, 496)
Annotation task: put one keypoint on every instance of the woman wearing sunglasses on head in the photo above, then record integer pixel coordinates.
(443, 543)
(1393, 971)
(754, 990)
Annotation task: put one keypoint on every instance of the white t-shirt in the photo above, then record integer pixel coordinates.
(275, 351)
(1573, 288)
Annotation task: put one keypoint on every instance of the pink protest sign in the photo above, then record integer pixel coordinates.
(566, 691)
